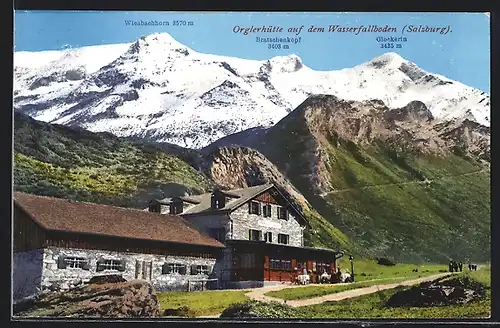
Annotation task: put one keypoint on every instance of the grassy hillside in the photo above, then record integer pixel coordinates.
(389, 200)
(447, 215)
(60, 161)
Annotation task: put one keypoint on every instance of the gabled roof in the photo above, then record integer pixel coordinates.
(237, 198)
(168, 201)
(58, 214)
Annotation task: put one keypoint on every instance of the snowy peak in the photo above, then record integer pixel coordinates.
(160, 89)
(157, 43)
(390, 60)
(286, 64)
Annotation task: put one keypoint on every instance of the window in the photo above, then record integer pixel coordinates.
(322, 267)
(171, 268)
(200, 269)
(155, 208)
(75, 262)
(218, 234)
(281, 264)
(254, 235)
(268, 237)
(176, 207)
(218, 200)
(72, 262)
(267, 211)
(282, 213)
(254, 208)
(283, 239)
(110, 264)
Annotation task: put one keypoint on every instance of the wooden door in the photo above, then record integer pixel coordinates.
(143, 270)
(267, 271)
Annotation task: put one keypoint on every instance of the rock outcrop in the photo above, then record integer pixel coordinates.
(439, 292)
(100, 299)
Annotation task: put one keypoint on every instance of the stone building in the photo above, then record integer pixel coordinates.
(59, 243)
(262, 230)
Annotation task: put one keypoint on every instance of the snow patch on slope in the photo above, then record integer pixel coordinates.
(161, 89)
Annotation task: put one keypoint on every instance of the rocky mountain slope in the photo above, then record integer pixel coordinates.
(397, 181)
(159, 89)
(59, 161)
(372, 180)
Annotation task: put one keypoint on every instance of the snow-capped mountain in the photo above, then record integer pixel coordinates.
(159, 89)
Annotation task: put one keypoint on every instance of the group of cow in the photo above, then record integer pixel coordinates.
(457, 266)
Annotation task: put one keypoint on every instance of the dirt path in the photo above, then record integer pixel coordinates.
(426, 181)
(263, 290)
(258, 294)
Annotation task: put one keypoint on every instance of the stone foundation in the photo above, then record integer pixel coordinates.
(242, 284)
(40, 269)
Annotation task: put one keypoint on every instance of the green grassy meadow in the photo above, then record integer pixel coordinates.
(372, 306)
(369, 269)
(200, 303)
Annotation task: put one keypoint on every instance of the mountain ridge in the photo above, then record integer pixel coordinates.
(159, 89)
(366, 197)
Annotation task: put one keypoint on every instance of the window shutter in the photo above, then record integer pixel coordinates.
(249, 207)
(260, 235)
(61, 263)
(269, 211)
(286, 214)
(99, 265)
(86, 266)
(259, 209)
(150, 270)
(183, 270)
(138, 268)
(249, 234)
(278, 212)
(270, 237)
(193, 269)
(165, 269)
(123, 265)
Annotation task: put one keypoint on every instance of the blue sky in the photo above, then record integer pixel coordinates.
(462, 54)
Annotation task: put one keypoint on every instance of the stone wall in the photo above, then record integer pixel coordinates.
(27, 273)
(68, 277)
(243, 221)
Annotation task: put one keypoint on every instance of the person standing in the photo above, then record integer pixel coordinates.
(450, 266)
(460, 265)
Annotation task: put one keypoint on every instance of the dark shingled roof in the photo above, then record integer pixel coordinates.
(81, 217)
(241, 196)
(237, 197)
